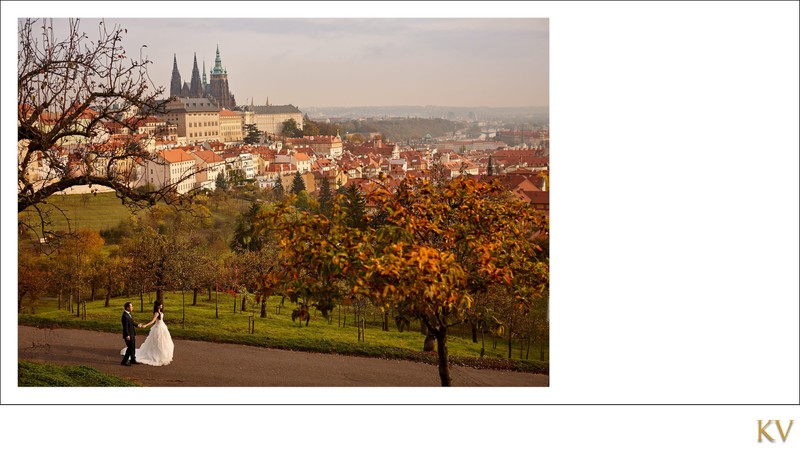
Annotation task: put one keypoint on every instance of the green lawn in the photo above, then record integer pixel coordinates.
(278, 330)
(103, 211)
(48, 375)
(100, 211)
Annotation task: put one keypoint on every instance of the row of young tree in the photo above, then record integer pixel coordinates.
(450, 253)
(432, 250)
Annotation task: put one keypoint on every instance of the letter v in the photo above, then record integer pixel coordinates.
(780, 429)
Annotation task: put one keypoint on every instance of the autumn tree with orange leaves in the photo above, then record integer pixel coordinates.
(442, 243)
(433, 247)
(319, 251)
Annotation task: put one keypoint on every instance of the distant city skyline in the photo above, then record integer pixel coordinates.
(353, 62)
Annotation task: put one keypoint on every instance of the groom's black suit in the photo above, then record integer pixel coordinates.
(129, 330)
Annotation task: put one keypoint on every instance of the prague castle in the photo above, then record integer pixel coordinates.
(217, 90)
(205, 110)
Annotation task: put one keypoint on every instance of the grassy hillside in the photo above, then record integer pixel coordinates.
(97, 212)
(104, 212)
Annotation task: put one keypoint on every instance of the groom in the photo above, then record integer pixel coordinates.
(129, 334)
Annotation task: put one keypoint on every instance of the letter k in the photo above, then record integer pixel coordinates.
(763, 432)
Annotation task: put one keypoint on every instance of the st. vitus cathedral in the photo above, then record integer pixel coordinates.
(216, 91)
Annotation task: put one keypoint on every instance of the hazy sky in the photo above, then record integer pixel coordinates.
(333, 62)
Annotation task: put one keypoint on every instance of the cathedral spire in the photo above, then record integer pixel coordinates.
(195, 88)
(204, 74)
(175, 82)
(218, 70)
(218, 89)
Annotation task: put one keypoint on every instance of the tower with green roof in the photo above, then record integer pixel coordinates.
(219, 89)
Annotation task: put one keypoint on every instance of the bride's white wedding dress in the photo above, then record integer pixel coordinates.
(157, 347)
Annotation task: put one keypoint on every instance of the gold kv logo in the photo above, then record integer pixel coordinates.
(762, 430)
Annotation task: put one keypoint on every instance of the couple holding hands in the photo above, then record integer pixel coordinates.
(157, 348)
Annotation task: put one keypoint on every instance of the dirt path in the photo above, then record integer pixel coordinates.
(201, 364)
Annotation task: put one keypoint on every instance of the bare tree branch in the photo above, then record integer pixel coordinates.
(70, 90)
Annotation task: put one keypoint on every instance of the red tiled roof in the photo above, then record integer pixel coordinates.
(281, 167)
(209, 156)
(176, 155)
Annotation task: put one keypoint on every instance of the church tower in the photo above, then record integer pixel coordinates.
(205, 82)
(219, 84)
(195, 89)
(175, 83)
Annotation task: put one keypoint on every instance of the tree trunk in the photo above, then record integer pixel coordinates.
(474, 331)
(160, 295)
(510, 331)
(194, 298)
(183, 305)
(209, 294)
(528, 350)
(385, 325)
(141, 300)
(93, 288)
(108, 289)
(244, 302)
(430, 341)
(444, 366)
(263, 306)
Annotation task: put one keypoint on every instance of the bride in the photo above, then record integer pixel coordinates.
(157, 347)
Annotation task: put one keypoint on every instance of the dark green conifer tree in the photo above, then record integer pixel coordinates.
(251, 134)
(355, 207)
(298, 185)
(325, 198)
(244, 238)
(277, 189)
(221, 182)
